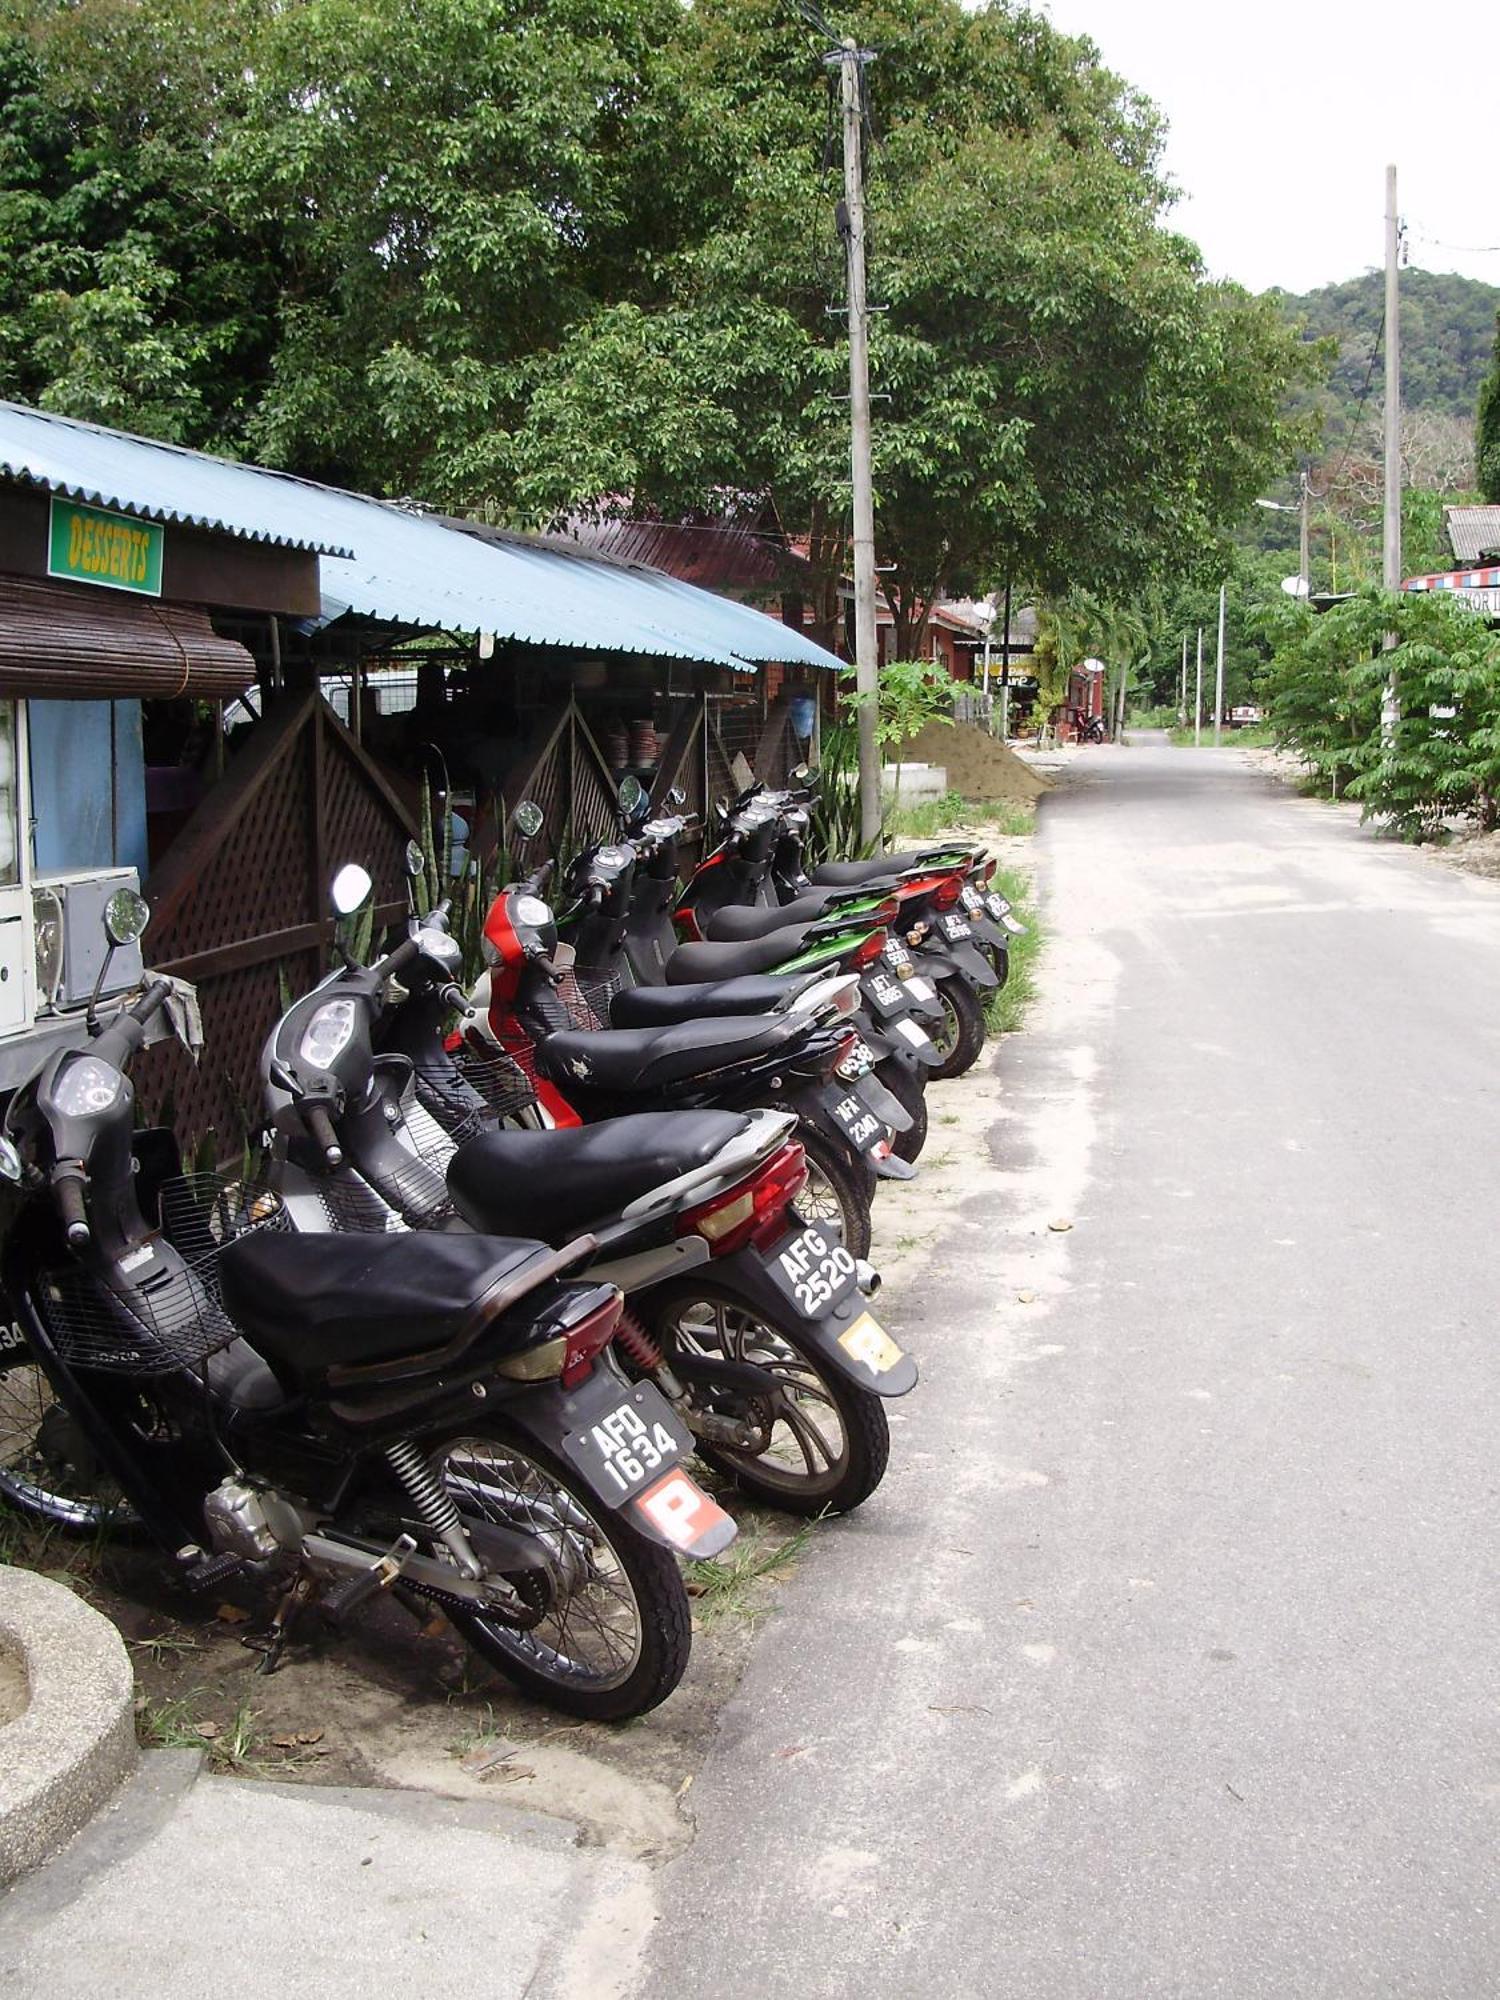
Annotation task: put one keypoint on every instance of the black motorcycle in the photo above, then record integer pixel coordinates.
(334, 1418)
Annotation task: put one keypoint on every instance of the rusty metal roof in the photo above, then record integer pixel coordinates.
(1474, 533)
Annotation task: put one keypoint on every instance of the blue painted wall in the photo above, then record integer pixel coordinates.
(88, 786)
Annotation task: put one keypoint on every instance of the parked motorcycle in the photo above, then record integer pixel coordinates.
(340, 1417)
(752, 1322)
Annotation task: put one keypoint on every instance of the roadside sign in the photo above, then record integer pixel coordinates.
(89, 545)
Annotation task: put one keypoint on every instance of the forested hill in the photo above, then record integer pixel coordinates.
(1447, 337)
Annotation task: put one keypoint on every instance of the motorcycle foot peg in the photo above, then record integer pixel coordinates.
(336, 1604)
(202, 1573)
(866, 1277)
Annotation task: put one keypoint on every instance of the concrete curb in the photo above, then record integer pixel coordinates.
(75, 1742)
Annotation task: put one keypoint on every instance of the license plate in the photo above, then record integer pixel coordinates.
(899, 962)
(12, 1344)
(635, 1438)
(813, 1270)
(885, 991)
(910, 1032)
(997, 905)
(854, 1119)
(922, 990)
(971, 899)
(859, 1062)
(955, 927)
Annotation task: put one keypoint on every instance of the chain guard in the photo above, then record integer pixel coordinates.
(531, 1586)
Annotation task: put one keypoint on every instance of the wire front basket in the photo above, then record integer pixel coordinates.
(168, 1312)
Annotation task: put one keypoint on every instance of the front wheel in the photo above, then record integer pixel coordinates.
(48, 1469)
(961, 1035)
(611, 1626)
(820, 1442)
(837, 1189)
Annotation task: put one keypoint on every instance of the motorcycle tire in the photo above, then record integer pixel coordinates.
(911, 1089)
(636, 1575)
(961, 1036)
(837, 1188)
(47, 1471)
(695, 1315)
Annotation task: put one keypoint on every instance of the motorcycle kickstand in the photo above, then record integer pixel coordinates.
(271, 1644)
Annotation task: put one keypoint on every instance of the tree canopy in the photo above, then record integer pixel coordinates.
(529, 256)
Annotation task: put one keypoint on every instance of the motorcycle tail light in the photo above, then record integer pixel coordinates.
(588, 1340)
(987, 870)
(867, 952)
(731, 1219)
(948, 891)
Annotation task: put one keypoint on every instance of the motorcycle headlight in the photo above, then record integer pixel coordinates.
(87, 1085)
(533, 911)
(328, 1034)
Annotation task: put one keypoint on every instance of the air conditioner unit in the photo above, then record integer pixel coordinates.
(82, 899)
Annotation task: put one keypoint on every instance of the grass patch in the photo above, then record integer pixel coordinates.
(1005, 1010)
(732, 1586)
(1257, 737)
(952, 811)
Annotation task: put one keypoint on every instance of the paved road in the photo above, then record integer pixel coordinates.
(1165, 1665)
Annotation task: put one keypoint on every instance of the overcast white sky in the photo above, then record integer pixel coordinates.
(1284, 115)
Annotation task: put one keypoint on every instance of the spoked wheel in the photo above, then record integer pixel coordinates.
(960, 1036)
(910, 1090)
(48, 1470)
(821, 1442)
(607, 1631)
(837, 1190)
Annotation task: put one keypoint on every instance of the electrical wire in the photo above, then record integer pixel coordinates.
(1358, 412)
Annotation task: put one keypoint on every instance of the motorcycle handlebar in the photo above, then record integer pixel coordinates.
(455, 997)
(409, 949)
(67, 1185)
(320, 1129)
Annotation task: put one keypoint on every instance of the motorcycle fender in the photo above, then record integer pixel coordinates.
(957, 955)
(989, 930)
(887, 1107)
(673, 1510)
(847, 1339)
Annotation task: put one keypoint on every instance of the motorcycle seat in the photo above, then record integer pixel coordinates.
(314, 1302)
(642, 1059)
(553, 1184)
(734, 960)
(879, 870)
(654, 1006)
(737, 921)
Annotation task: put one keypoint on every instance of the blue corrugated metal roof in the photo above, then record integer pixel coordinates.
(389, 563)
(162, 482)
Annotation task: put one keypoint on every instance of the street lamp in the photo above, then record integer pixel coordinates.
(1304, 557)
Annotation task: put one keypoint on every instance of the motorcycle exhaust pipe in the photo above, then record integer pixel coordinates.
(866, 1277)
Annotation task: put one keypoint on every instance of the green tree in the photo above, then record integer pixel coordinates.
(1487, 428)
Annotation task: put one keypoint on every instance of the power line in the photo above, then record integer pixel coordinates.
(1359, 409)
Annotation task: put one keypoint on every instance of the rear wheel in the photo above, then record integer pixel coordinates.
(821, 1442)
(960, 1036)
(910, 1091)
(48, 1470)
(610, 1629)
(837, 1190)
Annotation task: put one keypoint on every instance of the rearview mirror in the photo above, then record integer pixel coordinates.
(676, 797)
(351, 887)
(10, 1163)
(632, 792)
(416, 860)
(126, 916)
(529, 819)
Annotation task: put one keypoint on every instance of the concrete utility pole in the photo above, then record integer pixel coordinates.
(1219, 676)
(1198, 696)
(1304, 548)
(851, 60)
(1182, 688)
(1390, 707)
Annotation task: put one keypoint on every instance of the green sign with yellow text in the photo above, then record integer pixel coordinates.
(87, 545)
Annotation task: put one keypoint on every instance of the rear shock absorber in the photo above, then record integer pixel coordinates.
(645, 1353)
(433, 1502)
